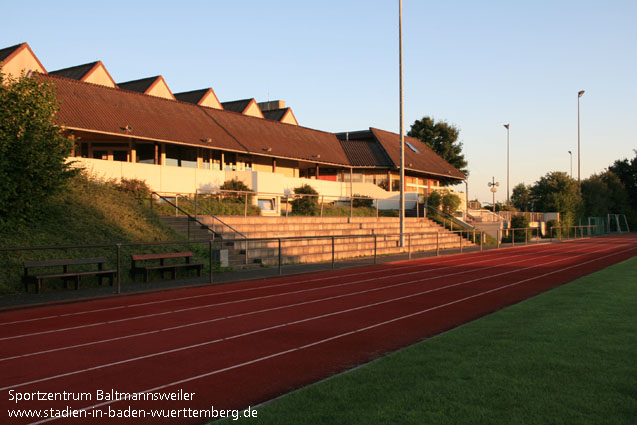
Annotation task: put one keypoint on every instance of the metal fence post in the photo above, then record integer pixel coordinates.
(188, 231)
(498, 240)
(176, 205)
(119, 268)
(437, 244)
(211, 260)
(377, 206)
(280, 259)
(481, 240)
(245, 208)
(322, 201)
(286, 205)
(332, 251)
(375, 249)
(526, 237)
(351, 206)
(409, 242)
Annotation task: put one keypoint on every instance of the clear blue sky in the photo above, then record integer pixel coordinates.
(476, 65)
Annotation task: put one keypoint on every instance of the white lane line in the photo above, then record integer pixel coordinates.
(256, 331)
(305, 281)
(257, 311)
(335, 337)
(199, 307)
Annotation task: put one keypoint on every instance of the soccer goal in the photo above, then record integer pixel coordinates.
(617, 223)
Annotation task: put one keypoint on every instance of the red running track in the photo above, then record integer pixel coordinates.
(237, 345)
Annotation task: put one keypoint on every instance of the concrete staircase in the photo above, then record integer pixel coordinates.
(186, 227)
(360, 231)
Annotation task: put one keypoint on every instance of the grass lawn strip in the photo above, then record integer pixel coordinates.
(568, 356)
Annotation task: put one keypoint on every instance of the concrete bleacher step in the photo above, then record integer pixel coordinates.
(426, 235)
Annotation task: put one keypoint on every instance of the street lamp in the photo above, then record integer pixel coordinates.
(507, 127)
(571, 155)
(579, 181)
(493, 184)
(401, 125)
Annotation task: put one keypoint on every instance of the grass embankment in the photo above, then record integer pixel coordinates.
(564, 357)
(87, 212)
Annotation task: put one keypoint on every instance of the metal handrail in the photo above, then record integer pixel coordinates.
(477, 234)
(451, 218)
(190, 217)
(214, 217)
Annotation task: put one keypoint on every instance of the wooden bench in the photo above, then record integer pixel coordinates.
(162, 266)
(66, 275)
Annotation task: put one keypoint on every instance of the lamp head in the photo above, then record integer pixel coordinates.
(580, 93)
(506, 126)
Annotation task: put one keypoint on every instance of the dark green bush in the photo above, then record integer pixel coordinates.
(552, 227)
(433, 201)
(450, 203)
(362, 201)
(305, 205)
(137, 187)
(236, 185)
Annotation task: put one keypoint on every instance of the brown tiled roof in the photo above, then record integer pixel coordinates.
(140, 86)
(75, 72)
(236, 105)
(363, 150)
(426, 160)
(100, 109)
(191, 96)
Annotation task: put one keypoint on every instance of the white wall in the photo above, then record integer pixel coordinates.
(170, 179)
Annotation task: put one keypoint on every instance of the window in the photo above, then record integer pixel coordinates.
(266, 204)
(412, 147)
(120, 155)
(146, 153)
(181, 156)
(100, 154)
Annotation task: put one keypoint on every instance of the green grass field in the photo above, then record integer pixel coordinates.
(568, 356)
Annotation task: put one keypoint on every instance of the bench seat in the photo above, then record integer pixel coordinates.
(65, 274)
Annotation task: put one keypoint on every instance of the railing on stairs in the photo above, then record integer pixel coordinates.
(463, 228)
(195, 218)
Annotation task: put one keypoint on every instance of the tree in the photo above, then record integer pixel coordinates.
(450, 203)
(434, 200)
(603, 194)
(521, 197)
(557, 192)
(626, 171)
(33, 150)
(442, 138)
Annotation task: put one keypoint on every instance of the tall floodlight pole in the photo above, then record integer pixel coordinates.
(507, 127)
(579, 180)
(571, 155)
(402, 131)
